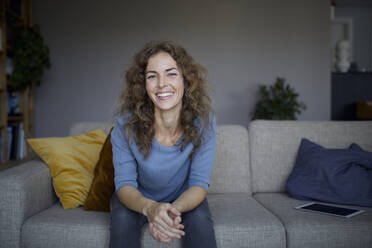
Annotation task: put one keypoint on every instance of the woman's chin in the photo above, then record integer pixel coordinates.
(166, 107)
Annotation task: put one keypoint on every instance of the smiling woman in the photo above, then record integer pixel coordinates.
(164, 144)
(135, 102)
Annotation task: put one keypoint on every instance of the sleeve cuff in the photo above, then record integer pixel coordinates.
(199, 183)
(119, 186)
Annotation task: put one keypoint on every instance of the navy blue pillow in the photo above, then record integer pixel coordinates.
(342, 176)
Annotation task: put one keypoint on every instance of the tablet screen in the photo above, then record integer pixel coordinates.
(330, 209)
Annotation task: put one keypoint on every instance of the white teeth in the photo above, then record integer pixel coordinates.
(164, 94)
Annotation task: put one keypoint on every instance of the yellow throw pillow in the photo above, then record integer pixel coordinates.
(71, 161)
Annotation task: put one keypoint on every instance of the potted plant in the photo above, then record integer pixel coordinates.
(30, 57)
(278, 102)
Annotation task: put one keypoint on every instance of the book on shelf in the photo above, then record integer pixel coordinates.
(21, 148)
(9, 145)
(1, 150)
(16, 142)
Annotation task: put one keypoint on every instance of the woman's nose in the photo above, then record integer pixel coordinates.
(161, 82)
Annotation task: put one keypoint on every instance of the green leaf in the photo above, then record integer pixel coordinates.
(30, 58)
(278, 102)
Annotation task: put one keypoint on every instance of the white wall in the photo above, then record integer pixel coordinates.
(242, 43)
(362, 33)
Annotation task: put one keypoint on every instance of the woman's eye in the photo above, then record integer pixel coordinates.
(172, 74)
(151, 76)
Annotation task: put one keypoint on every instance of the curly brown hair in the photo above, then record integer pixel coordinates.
(135, 104)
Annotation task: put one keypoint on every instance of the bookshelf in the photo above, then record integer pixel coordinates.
(14, 127)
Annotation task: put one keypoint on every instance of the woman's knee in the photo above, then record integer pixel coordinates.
(122, 217)
(199, 228)
(199, 217)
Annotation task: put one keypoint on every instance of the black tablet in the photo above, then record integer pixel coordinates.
(329, 209)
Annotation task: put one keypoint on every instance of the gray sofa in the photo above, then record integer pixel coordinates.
(247, 196)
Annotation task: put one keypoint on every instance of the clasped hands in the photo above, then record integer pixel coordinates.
(164, 222)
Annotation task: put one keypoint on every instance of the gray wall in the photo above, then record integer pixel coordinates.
(241, 43)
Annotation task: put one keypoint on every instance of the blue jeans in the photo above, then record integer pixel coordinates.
(125, 229)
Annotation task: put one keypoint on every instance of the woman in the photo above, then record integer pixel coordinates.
(164, 143)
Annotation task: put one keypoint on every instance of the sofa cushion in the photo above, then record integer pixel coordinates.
(73, 228)
(239, 221)
(274, 144)
(307, 229)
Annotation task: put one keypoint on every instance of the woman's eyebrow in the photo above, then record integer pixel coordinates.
(169, 69)
(173, 68)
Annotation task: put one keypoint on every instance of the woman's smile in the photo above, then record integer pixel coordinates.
(164, 96)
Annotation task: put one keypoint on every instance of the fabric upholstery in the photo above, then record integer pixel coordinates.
(240, 221)
(87, 126)
(265, 220)
(235, 226)
(102, 187)
(24, 191)
(307, 229)
(73, 228)
(232, 161)
(274, 144)
(71, 161)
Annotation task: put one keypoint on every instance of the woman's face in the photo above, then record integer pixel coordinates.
(164, 82)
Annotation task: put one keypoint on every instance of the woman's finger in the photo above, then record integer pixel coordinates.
(153, 232)
(177, 222)
(168, 224)
(159, 236)
(164, 221)
(171, 232)
(166, 218)
(161, 211)
(174, 211)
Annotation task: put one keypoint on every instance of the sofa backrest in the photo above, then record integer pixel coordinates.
(231, 172)
(83, 127)
(274, 145)
(231, 168)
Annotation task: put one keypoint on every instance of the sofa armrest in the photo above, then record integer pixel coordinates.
(25, 190)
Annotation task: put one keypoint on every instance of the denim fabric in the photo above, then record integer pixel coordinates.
(125, 229)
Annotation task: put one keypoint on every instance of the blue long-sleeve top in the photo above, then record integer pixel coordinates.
(167, 172)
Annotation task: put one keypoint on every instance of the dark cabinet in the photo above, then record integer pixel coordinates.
(347, 90)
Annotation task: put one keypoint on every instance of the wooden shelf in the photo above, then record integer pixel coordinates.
(10, 19)
(15, 118)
